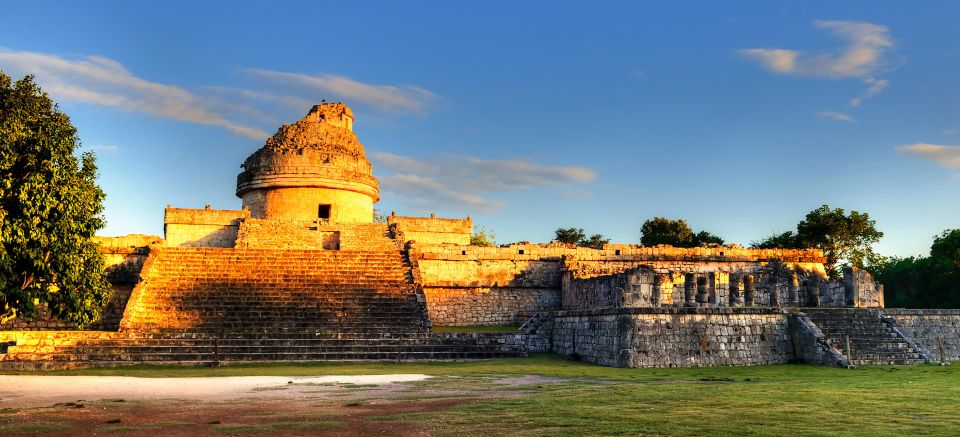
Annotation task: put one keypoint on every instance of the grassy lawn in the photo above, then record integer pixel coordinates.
(583, 399)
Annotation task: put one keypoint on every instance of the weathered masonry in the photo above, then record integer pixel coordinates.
(302, 272)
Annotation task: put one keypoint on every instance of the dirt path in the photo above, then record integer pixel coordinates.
(20, 391)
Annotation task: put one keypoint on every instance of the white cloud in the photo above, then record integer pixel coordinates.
(874, 88)
(777, 60)
(270, 100)
(385, 97)
(836, 116)
(945, 156)
(103, 81)
(464, 181)
(106, 148)
(862, 57)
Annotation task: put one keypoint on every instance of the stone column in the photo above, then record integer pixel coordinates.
(689, 281)
(748, 290)
(773, 287)
(655, 297)
(792, 292)
(702, 296)
(713, 291)
(813, 291)
(736, 284)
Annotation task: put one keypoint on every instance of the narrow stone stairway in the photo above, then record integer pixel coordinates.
(871, 340)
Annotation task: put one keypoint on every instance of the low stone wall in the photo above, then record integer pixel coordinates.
(487, 306)
(433, 230)
(185, 227)
(668, 337)
(931, 328)
(286, 234)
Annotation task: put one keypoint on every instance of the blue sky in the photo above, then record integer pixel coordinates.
(737, 116)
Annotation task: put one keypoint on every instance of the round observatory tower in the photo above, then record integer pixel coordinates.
(312, 169)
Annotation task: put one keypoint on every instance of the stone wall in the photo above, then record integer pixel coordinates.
(303, 203)
(862, 290)
(931, 328)
(184, 227)
(297, 234)
(631, 288)
(432, 230)
(667, 337)
(463, 306)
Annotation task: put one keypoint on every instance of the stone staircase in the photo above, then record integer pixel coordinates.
(206, 349)
(242, 290)
(872, 341)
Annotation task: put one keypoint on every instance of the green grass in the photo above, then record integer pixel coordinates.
(768, 400)
(474, 328)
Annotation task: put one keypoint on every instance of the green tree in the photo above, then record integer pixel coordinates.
(50, 207)
(483, 238)
(578, 237)
(569, 235)
(704, 237)
(595, 241)
(786, 240)
(923, 282)
(677, 233)
(844, 238)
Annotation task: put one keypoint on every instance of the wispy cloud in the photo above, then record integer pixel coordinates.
(385, 97)
(945, 156)
(836, 116)
(874, 87)
(269, 99)
(105, 148)
(467, 181)
(103, 81)
(862, 57)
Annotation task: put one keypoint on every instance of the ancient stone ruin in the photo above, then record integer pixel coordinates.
(303, 273)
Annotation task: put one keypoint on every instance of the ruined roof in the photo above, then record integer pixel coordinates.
(327, 127)
(319, 150)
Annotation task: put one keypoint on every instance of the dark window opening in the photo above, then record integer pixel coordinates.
(323, 212)
(618, 252)
(521, 251)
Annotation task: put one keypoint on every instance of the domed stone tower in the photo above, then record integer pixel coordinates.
(312, 169)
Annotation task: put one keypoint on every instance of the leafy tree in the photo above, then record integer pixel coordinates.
(923, 282)
(50, 207)
(596, 241)
(786, 240)
(483, 238)
(677, 233)
(844, 238)
(704, 237)
(578, 237)
(379, 217)
(569, 235)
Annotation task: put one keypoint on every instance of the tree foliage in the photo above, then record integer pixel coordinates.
(578, 237)
(483, 238)
(677, 233)
(846, 239)
(923, 282)
(50, 207)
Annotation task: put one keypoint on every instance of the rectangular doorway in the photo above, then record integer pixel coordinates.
(323, 212)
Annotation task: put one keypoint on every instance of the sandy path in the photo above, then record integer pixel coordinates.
(40, 390)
